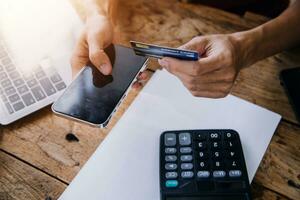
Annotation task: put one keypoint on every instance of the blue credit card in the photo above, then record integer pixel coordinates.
(156, 51)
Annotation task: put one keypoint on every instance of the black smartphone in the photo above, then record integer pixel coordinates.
(290, 79)
(93, 97)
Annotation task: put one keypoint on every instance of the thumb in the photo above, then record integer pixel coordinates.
(196, 44)
(97, 55)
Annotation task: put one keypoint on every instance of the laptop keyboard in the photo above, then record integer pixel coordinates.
(18, 91)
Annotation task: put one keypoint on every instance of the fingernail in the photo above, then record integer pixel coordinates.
(104, 68)
(163, 62)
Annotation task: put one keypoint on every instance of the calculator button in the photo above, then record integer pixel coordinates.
(170, 139)
(202, 145)
(171, 183)
(185, 150)
(170, 158)
(203, 174)
(170, 166)
(200, 136)
(215, 145)
(203, 155)
(214, 136)
(185, 139)
(229, 136)
(216, 154)
(229, 144)
(186, 166)
(233, 164)
(235, 173)
(186, 158)
(231, 154)
(171, 175)
(219, 174)
(170, 150)
(218, 164)
(203, 165)
(187, 174)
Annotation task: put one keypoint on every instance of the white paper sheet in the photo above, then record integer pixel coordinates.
(126, 165)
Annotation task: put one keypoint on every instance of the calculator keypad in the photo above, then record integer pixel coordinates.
(201, 160)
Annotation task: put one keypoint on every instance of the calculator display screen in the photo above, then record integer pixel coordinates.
(92, 96)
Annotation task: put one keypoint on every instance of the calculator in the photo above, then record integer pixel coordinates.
(202, 165)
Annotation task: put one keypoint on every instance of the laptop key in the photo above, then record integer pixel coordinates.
(14, 75)
(55, 78)
(9, 108)
(6, 83)
(22, 89)
(47, 86)
(31, 83)
(3, 75)
(60, 86)
(18, 106)
(9, 91)
(28, 99)
(14, 98)
(3, 97)
(10, 67)
(40, 73)
(38, 93)
(18, 82)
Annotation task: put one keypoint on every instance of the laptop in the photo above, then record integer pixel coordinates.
(36, 42)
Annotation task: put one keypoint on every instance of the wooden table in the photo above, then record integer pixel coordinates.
(38, 162)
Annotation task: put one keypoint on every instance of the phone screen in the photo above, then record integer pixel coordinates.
(92, 96)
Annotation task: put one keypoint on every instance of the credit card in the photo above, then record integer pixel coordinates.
(156, 51)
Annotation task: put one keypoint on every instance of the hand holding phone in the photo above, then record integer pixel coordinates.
(93, 97)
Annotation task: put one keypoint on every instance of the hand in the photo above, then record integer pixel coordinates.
(213, 75)
(97, 35)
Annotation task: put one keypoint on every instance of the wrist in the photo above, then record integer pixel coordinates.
(247, 44)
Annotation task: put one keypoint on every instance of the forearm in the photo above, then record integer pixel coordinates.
(272, 37)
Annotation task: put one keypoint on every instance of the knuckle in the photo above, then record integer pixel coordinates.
(195, 93)
(226, 88)
(191, 87)
(191, 81)
(196, 70)
(222, 95)
(94, 55)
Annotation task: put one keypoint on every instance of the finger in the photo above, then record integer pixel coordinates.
(208, 94)
(80, 56)
(97, 55)
(197, 44)
(198, 85)
(175, 66)
(143, 75)
(192, 68)
(136, 85)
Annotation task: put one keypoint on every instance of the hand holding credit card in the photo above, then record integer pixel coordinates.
(156, 51)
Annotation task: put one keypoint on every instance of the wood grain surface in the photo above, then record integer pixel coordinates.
(21, 181)
(40, 139)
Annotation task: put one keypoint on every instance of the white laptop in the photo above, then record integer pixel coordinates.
(36, 41)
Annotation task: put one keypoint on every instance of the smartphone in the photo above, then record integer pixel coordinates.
(92, 97)
(290, 79)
